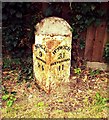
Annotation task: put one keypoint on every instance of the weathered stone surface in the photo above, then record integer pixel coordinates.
(98, 65)
(52, 53)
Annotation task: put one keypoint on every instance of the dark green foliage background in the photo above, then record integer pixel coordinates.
(19, 16)
(16, 19)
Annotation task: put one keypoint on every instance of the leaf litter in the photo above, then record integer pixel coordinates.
(75, 99)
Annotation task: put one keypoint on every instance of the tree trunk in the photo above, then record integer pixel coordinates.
(98, 47)
(90, 37)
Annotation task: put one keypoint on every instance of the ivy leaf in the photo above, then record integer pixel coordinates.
(82, 44)
(76, 37)
(19, 15)
(104, 100)
(14, 99)
(78, 17)
(77, 70)
(92, 7)
(101, 12)
(9, 103)
(40, 104)
(90, 21)
(98, 96)
(5, 97)
(12, 11)
(15, 43)
(97, 22)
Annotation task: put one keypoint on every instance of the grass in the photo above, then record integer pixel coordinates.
(85, 97)
(35, 109)
(41, 105)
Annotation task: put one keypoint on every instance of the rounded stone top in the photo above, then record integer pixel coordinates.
(53, 26)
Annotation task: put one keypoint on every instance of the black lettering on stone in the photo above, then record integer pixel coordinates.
(38, 65)
(54, 52)
(40, 46)
(61, 55)
(42, 67)
(62, 67)
(54, 63)
(40, 53)
(40, 60)
(61, 47)
(59, 68)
